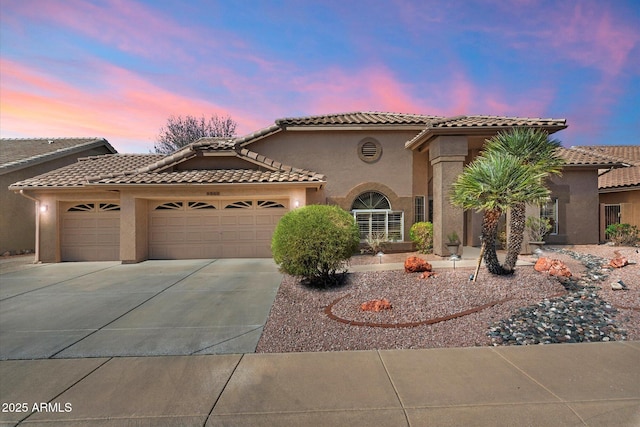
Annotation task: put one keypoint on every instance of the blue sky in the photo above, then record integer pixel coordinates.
(118, 69)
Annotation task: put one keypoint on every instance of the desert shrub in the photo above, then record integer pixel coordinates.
(315, 242)
(623, 234)
(376, 242)
(537, 228)
(421, 233)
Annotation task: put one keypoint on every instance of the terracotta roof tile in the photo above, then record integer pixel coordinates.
(218, 176)
(150, 169)
(619, 178)
(16, 153)
(576, 157)
(75, 175)
(358, 118)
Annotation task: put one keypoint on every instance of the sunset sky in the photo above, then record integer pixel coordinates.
(119, 68)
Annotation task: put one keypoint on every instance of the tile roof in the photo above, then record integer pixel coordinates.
(157, 169)
(576, 157)
(620, 178)
(359, 118)
(75, 175)
(18, 153)
(447, 125)
(215, 176)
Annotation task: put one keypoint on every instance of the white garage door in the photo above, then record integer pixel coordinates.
(213, 229)
(90, 232)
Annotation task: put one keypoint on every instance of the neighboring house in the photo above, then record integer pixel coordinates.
(21, 159)
(619, 188)
(221, 197)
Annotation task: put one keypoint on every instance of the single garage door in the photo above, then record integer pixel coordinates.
(187, 229)
(90, 232)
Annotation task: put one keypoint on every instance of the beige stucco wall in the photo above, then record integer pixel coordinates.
(630, 205)
(578, 209)
(335, 154)
(17, 213)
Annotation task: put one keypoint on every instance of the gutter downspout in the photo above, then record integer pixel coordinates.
(37, 248)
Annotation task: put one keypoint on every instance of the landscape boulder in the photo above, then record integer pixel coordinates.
(413, 264)
(553, 266)
(619, 261)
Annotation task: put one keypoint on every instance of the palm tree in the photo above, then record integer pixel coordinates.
(492, 183)
(534, 148)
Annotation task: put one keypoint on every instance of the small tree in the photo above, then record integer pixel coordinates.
(315, 242)
(181, 131)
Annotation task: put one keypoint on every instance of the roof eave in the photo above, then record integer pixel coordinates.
(488, 131)
(58, 154)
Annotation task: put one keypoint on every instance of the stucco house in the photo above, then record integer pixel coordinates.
(22, 158)
(222, 197)
(619, 188)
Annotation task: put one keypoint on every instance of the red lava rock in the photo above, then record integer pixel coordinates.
(413, 264)
(543, 264)
(376, 305)
(619, 261)
(553, 266)
(428, 274)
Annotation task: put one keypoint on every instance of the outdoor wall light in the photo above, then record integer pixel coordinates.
(44, 208)
(296, 203)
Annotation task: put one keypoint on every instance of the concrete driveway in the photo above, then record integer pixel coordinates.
(105, 309)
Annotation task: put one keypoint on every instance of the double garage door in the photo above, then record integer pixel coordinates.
(178, 229)
(185, 229)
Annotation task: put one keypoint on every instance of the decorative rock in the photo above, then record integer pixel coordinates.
(376, 305)
(578, 316)
(413, 264)
(618, 286)
(428, 274)
(553, 266)
(619, 261)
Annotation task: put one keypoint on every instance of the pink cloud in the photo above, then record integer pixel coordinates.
(130, 26)
(127, 110)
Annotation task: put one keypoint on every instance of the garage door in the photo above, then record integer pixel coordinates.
(213, 229)
(90, 232)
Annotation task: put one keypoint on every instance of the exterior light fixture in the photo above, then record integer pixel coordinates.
(44, 208)
(296, 203)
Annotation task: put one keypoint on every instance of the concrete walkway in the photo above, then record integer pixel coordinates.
(595, 384)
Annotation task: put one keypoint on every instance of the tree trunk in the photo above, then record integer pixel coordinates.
(489, 230)
(516, 235)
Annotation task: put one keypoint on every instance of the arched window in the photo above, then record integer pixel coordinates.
(373, 214)
(371, 200)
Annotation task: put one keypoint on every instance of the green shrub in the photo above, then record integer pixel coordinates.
(315, 242)
(623, 234)
(421, 233)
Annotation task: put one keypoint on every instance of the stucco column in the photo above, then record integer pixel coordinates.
(134, 242)
(447, 155)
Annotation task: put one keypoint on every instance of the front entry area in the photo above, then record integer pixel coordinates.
(197, 229)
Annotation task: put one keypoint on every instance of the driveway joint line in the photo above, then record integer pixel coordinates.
(58, 283)
(132, 309)
(224, 341)
(222, 391)
(69, 388)
(395, 390)
(523, 372)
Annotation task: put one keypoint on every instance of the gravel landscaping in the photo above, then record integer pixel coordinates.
(451, 311)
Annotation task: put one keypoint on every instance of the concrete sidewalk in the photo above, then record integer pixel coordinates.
(596, 384)
(468, 259)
